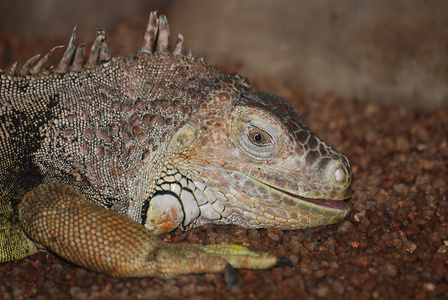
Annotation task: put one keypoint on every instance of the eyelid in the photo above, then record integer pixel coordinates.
(265, 127)
(243, 121)
(262, 151)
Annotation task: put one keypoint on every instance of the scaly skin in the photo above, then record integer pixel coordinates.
(100, 156)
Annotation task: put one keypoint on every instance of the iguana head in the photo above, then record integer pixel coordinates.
(246, 158)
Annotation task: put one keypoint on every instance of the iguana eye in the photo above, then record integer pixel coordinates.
(259, 137)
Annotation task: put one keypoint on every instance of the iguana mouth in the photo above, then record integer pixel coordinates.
(330, 203)
(335, 204)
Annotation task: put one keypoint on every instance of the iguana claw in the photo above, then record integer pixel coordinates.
(229, 276)
(283, 261)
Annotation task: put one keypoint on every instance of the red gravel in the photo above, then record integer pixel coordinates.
(393, 245)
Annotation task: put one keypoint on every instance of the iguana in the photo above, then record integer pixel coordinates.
(102, 153)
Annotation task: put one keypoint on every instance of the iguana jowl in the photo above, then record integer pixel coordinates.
(162, 141)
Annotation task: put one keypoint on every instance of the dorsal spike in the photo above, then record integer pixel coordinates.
(26, 67)
(38, 66)
(156, 38)
(64, 63)
(149, 38)
(92, 60)
(190, 53)
(179, 45)
(78, 60)
(164, 34)
(13, 68)
(105, 53)
(100, 31)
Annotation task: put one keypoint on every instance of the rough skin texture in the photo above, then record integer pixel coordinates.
(99, 156)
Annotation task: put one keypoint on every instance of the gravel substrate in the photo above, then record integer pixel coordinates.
(393, 245)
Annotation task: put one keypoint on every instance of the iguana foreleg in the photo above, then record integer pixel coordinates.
(60, 218)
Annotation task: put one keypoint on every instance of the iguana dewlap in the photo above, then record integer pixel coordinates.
(98, 156)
